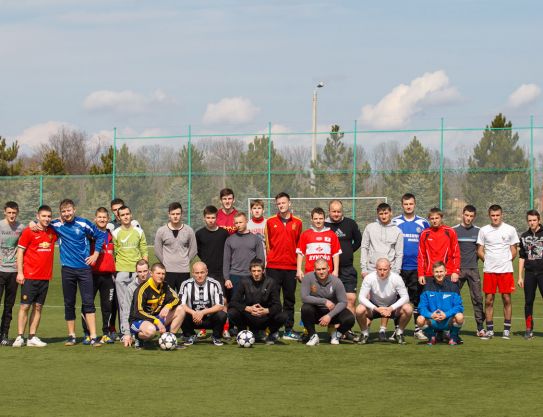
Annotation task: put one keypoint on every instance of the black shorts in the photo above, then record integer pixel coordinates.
(377, 315)
(349, 277)
(34, 291)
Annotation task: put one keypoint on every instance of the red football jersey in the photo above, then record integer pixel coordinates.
(39, 253)
(314, 245)
(226, 221)
(106, 259)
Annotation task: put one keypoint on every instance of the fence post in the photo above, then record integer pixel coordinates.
(190, 177)
(269, 165)
(532, 168)
(114, 163)
(441, 167)
(41, 190)
(353, 204)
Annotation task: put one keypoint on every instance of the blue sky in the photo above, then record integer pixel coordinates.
(233, 66)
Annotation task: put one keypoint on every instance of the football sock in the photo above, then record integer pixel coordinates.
(455, 329)
(529, 322)
(30, 336)
(507, 325)
(399, 331)
(366, 332)
(490, 326)
(382, 329)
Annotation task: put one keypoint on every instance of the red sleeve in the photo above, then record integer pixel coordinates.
(25, 238)
(299, 230)
(421, 258)
(453, 263)
(302, 244)
(336, 247)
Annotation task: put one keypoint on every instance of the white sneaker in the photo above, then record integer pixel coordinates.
(335, 337)
(19, 342)
(488, 335)
(313, 340)
(226, 334)
(35, 342)
(419, 335)
(506, 334)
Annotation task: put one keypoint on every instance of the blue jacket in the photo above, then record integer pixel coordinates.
(445, 297)
(73, 241)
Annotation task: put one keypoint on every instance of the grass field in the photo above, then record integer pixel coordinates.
(496, 377)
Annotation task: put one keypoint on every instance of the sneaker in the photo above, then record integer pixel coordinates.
(35, 342)
(452, 341)
(226, 335)
(334, 340)
(382, 336)
(4, 341)
(313, 340)
(115, 336)
(217, 341)
(70, 341)
(349, 335)
(400, 339)
(189, 341)
(459, 340)
(488, 335)
(138, 343)
(432, 341)
(272, 338)
(291, 335)
(18, 342)
(392, 337)
(529, 334)
(506, 335)
(179, 346)
(363, 339)
(260, 336)
(106, 339)
(86, 340)
(233, 332)
(202, 334)
(419, 335)
(481, 333)
(95, 342)
(440, 336)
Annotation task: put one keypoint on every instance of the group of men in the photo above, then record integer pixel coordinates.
(410, 266)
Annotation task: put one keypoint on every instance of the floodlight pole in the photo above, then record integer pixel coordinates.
(314, 138)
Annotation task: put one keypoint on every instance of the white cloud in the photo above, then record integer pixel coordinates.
(39, 134)
(232, 110)
(404, 101)
(525, 94)
(126, 101)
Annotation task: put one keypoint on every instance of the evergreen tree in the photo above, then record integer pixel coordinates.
(107, 163)
(8, 155)
(497, 163)
(52, 163)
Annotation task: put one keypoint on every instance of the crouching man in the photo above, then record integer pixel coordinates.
(440, 307)
(383, 294)
(256, 304)
(324, 302)
(155, 307)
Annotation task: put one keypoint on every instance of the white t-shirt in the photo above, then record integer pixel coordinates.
(376, 292)
(497, 242)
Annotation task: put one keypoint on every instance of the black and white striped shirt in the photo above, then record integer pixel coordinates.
(200, 297)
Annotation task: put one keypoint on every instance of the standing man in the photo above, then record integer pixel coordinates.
(175, 246)
(324, 302)
(411, 226)
(383, 294)
(282, 235)
(257, 223)
(350, 238)
(315, 243)
(497, 247)
(225, 216)
(130, 247)
(75, 234)
(381, 239)
(210, 241)
(530, 267)
(10, 230)
(116, 204)
(438, 243)
(35, 256)
(202, 298)
(467, 234)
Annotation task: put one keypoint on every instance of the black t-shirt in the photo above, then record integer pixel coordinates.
(349, 236)
(531, 249)
(211, 249)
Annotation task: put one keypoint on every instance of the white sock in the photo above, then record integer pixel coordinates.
(382, 329)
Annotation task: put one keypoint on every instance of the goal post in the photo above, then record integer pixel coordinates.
(361, 209)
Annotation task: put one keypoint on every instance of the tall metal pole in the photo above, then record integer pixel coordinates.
(353, 203)
(314, 137)
(269, 164)
(532, 168)
(189, 203)
(114, 167)
(441, 167)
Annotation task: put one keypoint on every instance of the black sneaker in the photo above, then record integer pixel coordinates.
(4, 341)
(272, 338)
(217, 341)
(382, 336)
(96, 342)
(363, 339)
(349, 335)
(70, 341)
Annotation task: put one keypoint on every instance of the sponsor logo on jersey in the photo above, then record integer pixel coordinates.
(44, 245)
(327, 239)
(446, 296)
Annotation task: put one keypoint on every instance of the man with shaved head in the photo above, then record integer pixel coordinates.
(203, 300)
(383, 294)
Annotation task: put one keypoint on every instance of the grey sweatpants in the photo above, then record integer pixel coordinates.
(474, 283)
(125, 285)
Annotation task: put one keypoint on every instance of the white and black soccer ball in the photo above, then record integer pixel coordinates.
(167, 341)
(245, 339)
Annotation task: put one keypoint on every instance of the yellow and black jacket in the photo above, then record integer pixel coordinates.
(149, 299)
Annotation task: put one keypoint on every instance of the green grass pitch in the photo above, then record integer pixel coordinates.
(478, 378)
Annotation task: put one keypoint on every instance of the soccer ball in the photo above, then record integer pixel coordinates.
(167, 341)
(245, 339)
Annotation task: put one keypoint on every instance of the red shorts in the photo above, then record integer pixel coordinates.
(504, 281)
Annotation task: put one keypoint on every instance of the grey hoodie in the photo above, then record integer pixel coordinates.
(381, 241)
(175, 252)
